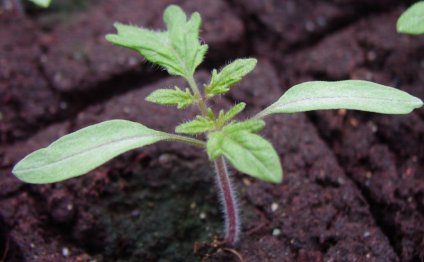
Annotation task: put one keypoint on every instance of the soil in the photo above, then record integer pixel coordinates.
(353, 186)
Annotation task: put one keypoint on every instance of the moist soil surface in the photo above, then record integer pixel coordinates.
(353, 186)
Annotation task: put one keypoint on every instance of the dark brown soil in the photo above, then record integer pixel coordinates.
(353, 186)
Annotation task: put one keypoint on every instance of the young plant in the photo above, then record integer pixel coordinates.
(179, 51)
(411, 21)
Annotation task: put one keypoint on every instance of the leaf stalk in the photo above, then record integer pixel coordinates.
(186, 140)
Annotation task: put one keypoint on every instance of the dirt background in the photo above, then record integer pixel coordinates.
(354, 182)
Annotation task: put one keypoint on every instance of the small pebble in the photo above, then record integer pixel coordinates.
(353, 122)
(202, 215)
(373, 127)
(274, 207)
(368, 174)
(367, 234)
(341, 112)
(65, 252)
(246, 182)
(164, 159)
(276, 232)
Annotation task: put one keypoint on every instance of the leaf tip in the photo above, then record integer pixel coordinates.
(19, 172)
(277, 179)
(173, 9)
(150, 98)
(417, 103)
(111, 38)
(173, 12)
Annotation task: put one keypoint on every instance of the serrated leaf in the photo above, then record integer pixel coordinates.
(224, 117)
(348, 94)
(251, 125)
(196, 126)
(80, 152)
(172, 97)
(249, 153)
(235, 110)
(42, 3)
(220, 82)
(178, 49)
(412, 20)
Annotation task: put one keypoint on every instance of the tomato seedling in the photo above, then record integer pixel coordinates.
(179, 51)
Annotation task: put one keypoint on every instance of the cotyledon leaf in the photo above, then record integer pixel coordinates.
(348, 94)
(80, 152)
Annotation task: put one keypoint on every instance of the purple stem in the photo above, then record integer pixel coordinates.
(232, 222)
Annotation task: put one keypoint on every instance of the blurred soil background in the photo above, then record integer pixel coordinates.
(354, 182)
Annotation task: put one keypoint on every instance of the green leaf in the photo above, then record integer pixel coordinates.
(42, 3)
(80, 152)
(225, 117)
(235, 110)
(199, 125)
(349, 94)
(229, 75)
(412, 20)
(178, 49)
(251, 125)
(249, 153)
(172, 97)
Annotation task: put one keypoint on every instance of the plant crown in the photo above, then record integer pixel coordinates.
(179, 51)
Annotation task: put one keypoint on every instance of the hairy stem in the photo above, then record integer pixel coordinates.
(201, 103)
(232, 222)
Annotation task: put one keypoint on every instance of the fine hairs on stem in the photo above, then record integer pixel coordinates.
(229, 202)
